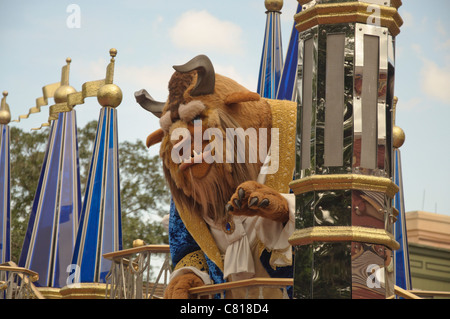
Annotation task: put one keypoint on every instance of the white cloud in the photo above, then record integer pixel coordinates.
(247, 80)
(410, 104)
(434, 74)
(288, 11)
(440, 28)
(156, 24)
(408, 19)
(153, 78)
(201, 31)
(435, 80)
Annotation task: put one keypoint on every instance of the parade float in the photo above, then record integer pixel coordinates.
(331, 98)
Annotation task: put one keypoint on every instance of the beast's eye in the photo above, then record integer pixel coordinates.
(197, 118)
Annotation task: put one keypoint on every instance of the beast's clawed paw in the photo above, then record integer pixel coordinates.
(178, 287)
(254, 199)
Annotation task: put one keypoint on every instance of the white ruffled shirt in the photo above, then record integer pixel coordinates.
(236, 247)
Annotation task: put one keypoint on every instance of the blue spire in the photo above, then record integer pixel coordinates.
(50, 237)
(286, 87)
(5, 183)
(401, 256)
(272, 56)
(100, 229)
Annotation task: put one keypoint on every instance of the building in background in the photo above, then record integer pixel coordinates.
(429, 250)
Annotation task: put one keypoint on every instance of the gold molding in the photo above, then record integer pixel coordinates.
(343, 233)
(394, 3)
(50, 292)
(343, 182)
(84, 291)
(347, 12)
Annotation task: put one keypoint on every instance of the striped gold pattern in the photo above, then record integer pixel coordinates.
(343, 233)
(394, 3)
(344, 181)
(283, 112)
(347, 12)
(84, 291)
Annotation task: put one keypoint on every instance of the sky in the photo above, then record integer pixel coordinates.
(152, 36)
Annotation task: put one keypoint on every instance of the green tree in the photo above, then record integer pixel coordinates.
(144, 194)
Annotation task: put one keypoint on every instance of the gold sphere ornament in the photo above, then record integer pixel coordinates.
(3, 285)
(5, 117)
(5, 114)
(138, 243)
(109, 95)
(398, 137)
(273, 5)
(61, 93)
(113, 52)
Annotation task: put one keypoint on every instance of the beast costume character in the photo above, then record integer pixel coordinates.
(231, 215)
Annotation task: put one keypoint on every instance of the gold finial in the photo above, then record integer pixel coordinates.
(65, 89)
(110, 69)
(5, 114)
(398, 135)
(273, 5)
(138, 243)
(110, 95)
(113, 53)
(394, 109)
(3, 285)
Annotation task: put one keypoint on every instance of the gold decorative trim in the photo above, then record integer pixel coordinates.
(196, 226)
(344, 181)
(343, 233)
(394, 3)
(247, 283)
(50, 292)
(347, 12)
(229, 227)
(84, 291)
(275, 254)
(284, 118)
(303, 2)
(195, 259)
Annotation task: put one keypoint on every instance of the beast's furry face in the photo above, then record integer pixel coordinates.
(200, 175)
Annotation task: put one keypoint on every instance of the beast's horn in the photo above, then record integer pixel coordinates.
(148, 103)
(206, 74)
